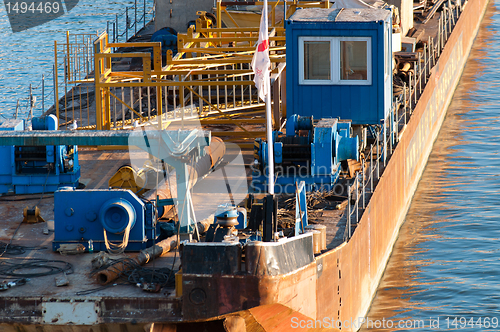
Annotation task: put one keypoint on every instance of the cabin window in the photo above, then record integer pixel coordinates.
(317, 60)
(335, 60)
(353, 60)
(315, 56)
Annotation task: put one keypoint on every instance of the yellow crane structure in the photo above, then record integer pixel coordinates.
(209, 78)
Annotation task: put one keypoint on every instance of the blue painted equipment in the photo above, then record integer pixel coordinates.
(300, 209)
(339, 64)
(309, 152)
(228, 219)
(178, 148)
(36, 169)
(96, 214)
(168, 39)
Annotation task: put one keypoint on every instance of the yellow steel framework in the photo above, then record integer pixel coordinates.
(291, 7)
(209, 78)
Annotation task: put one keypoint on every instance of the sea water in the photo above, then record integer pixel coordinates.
(27, 55)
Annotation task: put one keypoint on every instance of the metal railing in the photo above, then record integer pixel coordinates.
(132, 20)
(425, 61)
(365, 180)
(72, 79)
(74, 64)
(363, 186)
(72, 76)
(197, 82)
(27, 106)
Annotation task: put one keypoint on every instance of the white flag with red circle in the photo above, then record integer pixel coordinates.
(261, 61)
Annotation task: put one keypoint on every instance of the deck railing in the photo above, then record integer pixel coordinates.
(74, 62)
(132, 20)
(363, 183)
(363, 186)
(425, 61)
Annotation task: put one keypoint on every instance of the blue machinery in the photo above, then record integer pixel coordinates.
(111, 218)
(116, 213)
(309, 152)
(168, 39)
(355, 83)
(37, 169)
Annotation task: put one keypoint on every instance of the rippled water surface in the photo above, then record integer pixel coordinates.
(446, 261)
(26, 55)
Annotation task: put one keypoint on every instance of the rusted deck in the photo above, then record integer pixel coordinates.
(122, 302)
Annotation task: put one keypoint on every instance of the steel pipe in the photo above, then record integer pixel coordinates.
(114, 271)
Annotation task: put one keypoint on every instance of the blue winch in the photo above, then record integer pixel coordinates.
(109, 217)
(310, 152)
(36, 169)
(229, 212)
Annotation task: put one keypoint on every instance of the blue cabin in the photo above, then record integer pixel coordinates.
(339, 64)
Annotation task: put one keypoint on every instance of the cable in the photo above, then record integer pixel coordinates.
(8, 245)
(11, 239)
(93, 290)
(135, 274)
(10, 249)
(49, 168)
(11, 269)
(120, 247)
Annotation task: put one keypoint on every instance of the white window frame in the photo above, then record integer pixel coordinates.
(302, 79)
(335, 61)
(388, 60)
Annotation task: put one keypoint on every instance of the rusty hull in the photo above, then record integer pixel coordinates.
(229, 293)
(266, 318)
(341, 283)
(29, 310)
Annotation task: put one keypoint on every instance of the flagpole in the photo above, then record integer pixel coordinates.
(270, 142)
(262, 78)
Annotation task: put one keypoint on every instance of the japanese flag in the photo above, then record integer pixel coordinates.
(260, 61)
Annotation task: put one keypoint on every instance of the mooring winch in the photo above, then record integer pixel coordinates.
(310, 152)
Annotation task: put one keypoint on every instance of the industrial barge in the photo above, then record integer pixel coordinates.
(238, 266)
